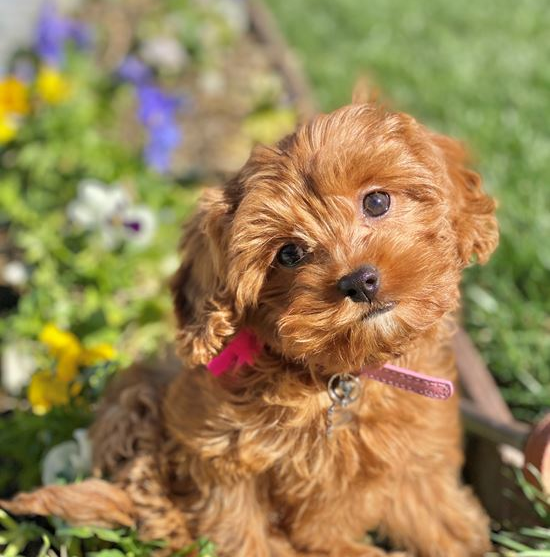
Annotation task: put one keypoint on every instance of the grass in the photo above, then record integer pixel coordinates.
(531, 541)
(477, 71)
(53, 538)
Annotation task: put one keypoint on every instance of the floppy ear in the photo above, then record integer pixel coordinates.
(364, 92)
(253, 224)
(472, 210)
(203, 307)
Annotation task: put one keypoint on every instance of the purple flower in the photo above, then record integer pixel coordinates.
(80, 34)
(53, 31)
(157, 112)
(155, 106)
(162, 142)
(134, 71)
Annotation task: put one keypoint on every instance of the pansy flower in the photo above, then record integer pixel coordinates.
(52, 33)
(51, 86)
(18, 365)
(55, 387)
(14, 103)
(109, 211)
(14, 96)
(163, 139)
(157, 111)
(70, 354)
(8, 127)
(134, 71)
(155, 106)
(47, 390)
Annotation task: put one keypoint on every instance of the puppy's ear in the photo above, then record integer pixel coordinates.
(203, 307)
(364, 92)
(472, 210)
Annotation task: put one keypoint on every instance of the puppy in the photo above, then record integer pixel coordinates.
(338, 250)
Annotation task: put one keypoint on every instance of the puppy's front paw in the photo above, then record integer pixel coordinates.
(474, 543)
(463, 530)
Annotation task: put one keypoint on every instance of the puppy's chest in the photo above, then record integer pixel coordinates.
(356, 444)
(343, 458)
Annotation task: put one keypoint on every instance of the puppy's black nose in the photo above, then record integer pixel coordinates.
(361, 285)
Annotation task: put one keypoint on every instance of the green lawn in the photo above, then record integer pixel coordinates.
(479, 71)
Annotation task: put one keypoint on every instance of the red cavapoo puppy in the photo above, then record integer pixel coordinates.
(336, 251)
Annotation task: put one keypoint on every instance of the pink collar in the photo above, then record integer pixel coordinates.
(245, 346)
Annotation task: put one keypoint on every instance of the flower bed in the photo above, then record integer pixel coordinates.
(97, 173)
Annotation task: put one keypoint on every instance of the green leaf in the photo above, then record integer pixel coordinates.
(46, 544)
(80, 532)
(510, 543)
(107, 553)
(113, 536)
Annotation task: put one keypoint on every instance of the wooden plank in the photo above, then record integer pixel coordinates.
(499, 432)
(478, 381)
(494, 483)
(537, 453)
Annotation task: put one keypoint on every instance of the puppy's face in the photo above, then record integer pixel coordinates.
(345, 242)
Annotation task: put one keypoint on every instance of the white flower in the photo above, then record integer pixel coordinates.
(15, 273)
(164, 52)
(139, 225)
(212, 83)
(109, 211)
(69, 460)
(234, 12)
(18, 365)
(169, 265)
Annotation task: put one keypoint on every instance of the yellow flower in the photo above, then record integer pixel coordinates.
(65, 347)
(98, 353)
(46, 390)
(8, 127)
(57, 340)
(69, 352)
(49, 388)
(52, 87)
(268, 126)
(67, 364)
(14, 96)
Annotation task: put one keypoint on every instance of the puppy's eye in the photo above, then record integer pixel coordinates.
(376, 204)
(290, 255)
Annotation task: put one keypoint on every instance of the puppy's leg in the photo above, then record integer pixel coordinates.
(434, 516)
(334, 529)
(236, 520)
(157, 516)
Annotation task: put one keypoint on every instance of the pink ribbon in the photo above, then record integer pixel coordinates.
(245, 346)
(243, 349)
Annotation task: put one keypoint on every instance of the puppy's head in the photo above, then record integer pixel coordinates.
(339, 246)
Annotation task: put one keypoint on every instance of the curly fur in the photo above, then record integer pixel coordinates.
(243, 458)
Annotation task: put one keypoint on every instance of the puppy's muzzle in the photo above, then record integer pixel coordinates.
(361, 285)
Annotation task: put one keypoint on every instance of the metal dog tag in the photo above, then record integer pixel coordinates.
(343, 390)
